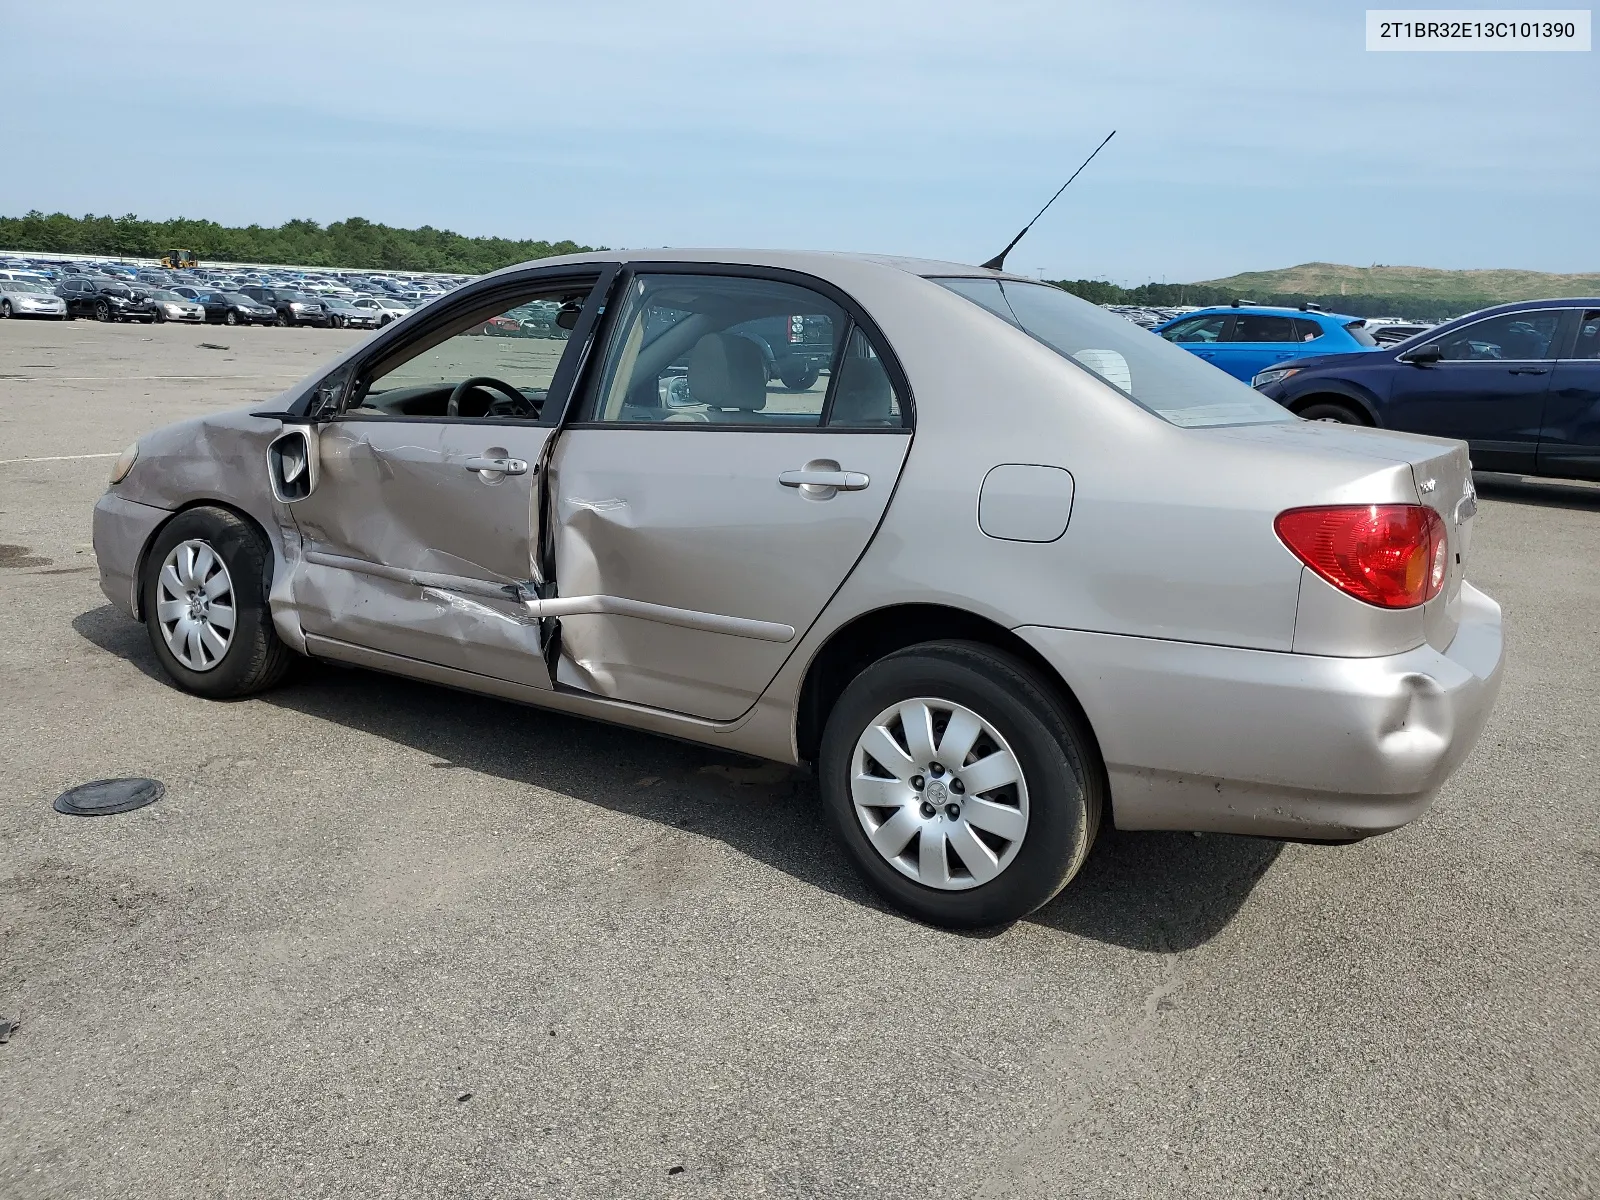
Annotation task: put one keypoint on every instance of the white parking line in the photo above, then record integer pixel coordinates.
(57, 458)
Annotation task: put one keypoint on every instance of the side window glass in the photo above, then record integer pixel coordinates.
(1588, 337)
(864, 397)
(1306, 331)
(719, 350)
(1249, 327)
(1511, 336)
(1197, 329)
(495, 363)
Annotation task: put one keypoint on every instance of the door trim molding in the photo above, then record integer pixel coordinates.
(564, 606)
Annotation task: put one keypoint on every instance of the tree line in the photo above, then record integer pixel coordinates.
(352, 243)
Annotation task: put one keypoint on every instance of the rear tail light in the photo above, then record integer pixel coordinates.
(1390, 555)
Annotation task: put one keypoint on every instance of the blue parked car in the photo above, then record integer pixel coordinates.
(1244, 340)
(1519, 383)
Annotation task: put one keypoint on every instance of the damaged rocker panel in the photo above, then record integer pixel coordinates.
(565, 606)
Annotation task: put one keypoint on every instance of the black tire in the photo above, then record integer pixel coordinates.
(5, 310)
(160, 317)
(1332, 411)
(255, 658)
(1055, 750)
(283, 319)
(230, 317)
(384, 321)
(102, 311)
(336, 322)
(798, 377)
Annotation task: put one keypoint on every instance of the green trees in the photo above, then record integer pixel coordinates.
(355, 242)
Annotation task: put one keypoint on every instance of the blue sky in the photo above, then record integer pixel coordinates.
(1251, 134)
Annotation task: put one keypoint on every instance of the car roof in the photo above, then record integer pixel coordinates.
(1526, 305)
(817, 262)
(1268, 311)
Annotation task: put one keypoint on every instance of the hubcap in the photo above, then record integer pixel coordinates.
(903, 782)
(194, 605)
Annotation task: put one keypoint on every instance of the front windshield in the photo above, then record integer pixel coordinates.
(163, 294)
(20, 285)
(1156, 375)
(237, 298)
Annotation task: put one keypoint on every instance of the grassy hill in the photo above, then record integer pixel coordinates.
(1473, 288)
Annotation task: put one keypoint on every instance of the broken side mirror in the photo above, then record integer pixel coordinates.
(292, 463)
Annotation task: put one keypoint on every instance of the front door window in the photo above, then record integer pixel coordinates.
(1513, 337)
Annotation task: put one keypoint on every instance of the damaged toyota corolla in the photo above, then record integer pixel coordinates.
(1004, 568)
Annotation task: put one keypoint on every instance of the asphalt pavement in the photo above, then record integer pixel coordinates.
(382, 939)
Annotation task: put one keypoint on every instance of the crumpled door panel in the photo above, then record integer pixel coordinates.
(407, 551)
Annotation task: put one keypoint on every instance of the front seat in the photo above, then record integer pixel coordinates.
(728, 376)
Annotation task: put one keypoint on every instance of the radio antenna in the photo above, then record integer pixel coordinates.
(998, 262)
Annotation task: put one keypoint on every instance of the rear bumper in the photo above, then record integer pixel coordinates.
(122, 529)
(1227, 740)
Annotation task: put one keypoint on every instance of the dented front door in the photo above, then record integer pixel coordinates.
(412, 537)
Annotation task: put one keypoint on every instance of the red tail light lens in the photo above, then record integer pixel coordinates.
(1391, 555)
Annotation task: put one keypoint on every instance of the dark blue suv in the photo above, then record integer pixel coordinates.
(1519, 383)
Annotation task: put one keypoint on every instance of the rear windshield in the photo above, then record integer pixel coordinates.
(1153, 373)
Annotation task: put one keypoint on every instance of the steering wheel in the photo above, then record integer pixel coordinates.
(514, 405)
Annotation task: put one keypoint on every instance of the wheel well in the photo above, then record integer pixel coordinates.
(144, 550)
(862, 642)
(1335, 398)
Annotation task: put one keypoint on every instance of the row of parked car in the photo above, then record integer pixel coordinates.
(105, 291)
(1519, 383)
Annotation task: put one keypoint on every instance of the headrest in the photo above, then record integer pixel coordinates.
(865, 396)
(727, 371)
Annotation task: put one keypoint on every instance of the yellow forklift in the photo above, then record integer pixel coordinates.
(177, 260)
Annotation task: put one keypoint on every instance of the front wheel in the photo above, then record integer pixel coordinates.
(283, 320)
(204, 596)
(102, 311)
(1331, 412)
(5, 310)
(230, 317)
(160, 317)
(963, 788)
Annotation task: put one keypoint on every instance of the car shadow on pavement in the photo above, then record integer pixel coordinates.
(1542, 493)
(1158, 892)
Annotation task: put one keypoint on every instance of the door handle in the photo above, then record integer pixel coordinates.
(497, 466)
(809, 477)
(1530, 370)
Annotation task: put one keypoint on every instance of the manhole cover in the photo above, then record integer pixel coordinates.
(106, 796)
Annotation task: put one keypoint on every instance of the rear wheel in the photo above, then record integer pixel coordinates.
(204, 596)
(799, 377)
(1332, 411)
(964, 790)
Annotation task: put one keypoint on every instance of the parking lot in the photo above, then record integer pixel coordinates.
(383, 939)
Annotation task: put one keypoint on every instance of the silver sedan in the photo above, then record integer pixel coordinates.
(21, 298)
(1004, 568)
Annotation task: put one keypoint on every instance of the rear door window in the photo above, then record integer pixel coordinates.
(1252, 327)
